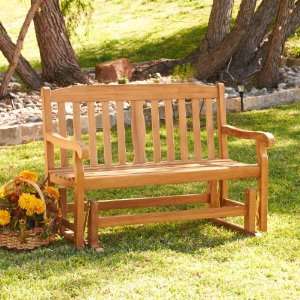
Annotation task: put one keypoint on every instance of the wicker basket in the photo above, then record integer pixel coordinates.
(29, 239)
(12, 240)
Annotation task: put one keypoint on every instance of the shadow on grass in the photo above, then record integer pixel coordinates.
(137, 50)
(188, 238)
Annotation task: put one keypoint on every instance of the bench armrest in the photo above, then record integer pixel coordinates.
(262, 137)
(65, 143)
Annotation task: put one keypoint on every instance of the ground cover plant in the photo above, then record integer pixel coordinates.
(191, 260)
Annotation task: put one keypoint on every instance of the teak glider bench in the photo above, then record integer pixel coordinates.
(203, 164)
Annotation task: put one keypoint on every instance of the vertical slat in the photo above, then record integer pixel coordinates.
(155, 131)
(196, 128)
(210, 129)
(63, 131)
(106, 134)
(121, 133)
(184, 152)
(47, 128)
(170, 130)
(92, 134)
(138, 130)
(76, 121)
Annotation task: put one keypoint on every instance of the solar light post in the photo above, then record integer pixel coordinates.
(241, 90)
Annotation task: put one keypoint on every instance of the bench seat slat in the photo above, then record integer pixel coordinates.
(162, 174)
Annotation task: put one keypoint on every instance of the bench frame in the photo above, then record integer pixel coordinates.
(254, 210)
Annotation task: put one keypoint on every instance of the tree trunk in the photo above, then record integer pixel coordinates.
(294, 22)
(269, 75)
(218, 25)
(23, 69)
(19, 46)
(245, 61)
(58, 59)
(208, 64)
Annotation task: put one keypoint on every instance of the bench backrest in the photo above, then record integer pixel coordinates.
(158, 99)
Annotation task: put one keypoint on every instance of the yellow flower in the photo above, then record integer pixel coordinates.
(2, 192)
(40, 207)
(52, 192)
(32, 176)
(31, 204)
(4, 217)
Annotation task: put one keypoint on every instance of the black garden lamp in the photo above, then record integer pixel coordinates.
(241, 90)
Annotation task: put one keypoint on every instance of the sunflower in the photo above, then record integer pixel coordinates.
(28, 175)
(4, 217)
(40, 207)
(52, 192)
(31, 204)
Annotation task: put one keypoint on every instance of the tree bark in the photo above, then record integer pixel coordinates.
(294, 22)
(208, 64)
(269, 75)
(218, 25)
(19, 46)
(59, 63)
(23, 69)
(245, 60)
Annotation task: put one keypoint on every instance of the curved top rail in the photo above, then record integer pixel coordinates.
(84, 93)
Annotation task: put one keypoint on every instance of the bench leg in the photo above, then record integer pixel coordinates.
(79, 216)
(263, 184)
(263, 201)
(223, 191)
(63, 205)
(250, 217)
(214, 194)
(93, 238)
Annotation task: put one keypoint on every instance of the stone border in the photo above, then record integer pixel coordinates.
(19, 134)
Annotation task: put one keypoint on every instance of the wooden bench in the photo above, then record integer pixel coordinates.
(181, 165)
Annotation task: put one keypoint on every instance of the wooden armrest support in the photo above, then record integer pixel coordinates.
(262, 137)
(65, 143)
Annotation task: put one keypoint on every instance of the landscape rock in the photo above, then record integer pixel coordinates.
(114, 70)
(10, 135)
(31, 132)
(291, 62)
(282, 86)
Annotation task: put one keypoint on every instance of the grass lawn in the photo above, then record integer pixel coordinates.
(140, 30)
(192, 260)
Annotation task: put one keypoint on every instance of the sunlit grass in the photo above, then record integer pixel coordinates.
(140, 30)
(190, 260)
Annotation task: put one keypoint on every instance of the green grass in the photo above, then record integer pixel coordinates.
(140, 30)
(192, 260)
